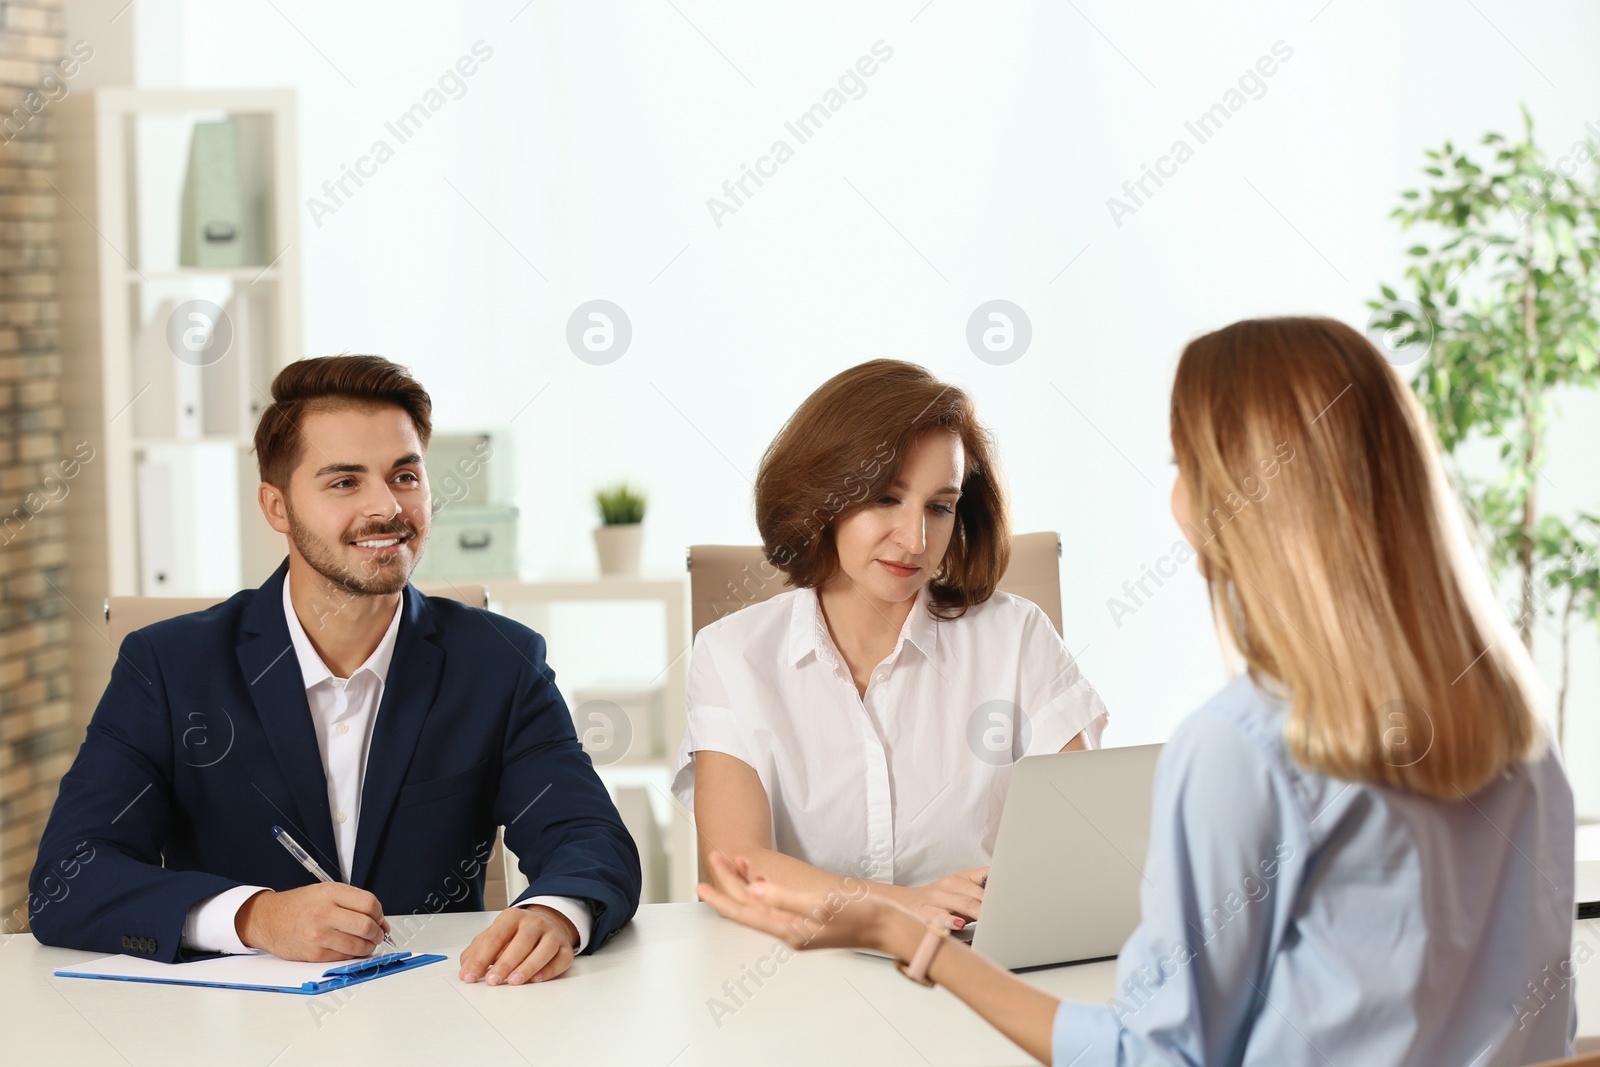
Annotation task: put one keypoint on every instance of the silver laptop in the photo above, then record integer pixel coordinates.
(1069, 859)
(1588, 889)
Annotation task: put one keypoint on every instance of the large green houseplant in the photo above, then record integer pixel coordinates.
(1500, 308)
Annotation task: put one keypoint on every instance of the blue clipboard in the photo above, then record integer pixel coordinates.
(266, 974)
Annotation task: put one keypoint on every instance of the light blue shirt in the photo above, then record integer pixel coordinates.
(1291, 918)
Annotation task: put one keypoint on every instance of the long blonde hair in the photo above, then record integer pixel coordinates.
(1338, 563)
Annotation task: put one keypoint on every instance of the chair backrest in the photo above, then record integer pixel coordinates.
(725, 578)
(473, 596)
(1589, 1059)
(124, 614)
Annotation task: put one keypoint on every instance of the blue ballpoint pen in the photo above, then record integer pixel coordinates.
(305, 860)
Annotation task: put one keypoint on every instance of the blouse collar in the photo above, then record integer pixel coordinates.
(808, 632)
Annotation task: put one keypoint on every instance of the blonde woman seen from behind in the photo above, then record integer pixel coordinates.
(1362, 847)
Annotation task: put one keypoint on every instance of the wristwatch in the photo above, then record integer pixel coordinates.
(922, 959)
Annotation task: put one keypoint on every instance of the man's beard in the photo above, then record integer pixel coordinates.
(372, 578)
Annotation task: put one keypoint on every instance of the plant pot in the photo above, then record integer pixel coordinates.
(620, 547)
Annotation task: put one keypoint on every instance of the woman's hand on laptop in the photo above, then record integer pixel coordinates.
(845, 916)
(953, 900)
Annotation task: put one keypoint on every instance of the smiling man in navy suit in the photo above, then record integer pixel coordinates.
(389, 732)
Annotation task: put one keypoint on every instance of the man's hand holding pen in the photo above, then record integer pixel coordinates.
(316, 923)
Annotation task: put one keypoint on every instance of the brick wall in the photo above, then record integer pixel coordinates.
(37, 737)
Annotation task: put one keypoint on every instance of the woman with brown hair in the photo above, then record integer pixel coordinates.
(1362, 847)
(865, 722)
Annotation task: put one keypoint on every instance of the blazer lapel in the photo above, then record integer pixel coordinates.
(272, 676)
(408, 693)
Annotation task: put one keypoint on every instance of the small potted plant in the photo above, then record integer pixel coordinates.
(620, 538)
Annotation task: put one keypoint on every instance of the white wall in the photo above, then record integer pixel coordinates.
(991, 140)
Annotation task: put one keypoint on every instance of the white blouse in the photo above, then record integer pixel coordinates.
(905, 785)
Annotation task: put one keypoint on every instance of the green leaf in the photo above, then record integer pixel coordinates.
(620, 505)
(1497, 234)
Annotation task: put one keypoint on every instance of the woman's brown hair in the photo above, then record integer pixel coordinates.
(1349, 582)
(327, 383)
(843, 447)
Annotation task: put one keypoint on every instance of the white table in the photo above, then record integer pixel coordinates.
(642, 1001)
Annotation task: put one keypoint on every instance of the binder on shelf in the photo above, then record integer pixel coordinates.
(188, 509)
(170, 403)
(212, 232)
(265, 974)
(231, 390)
(158, 563)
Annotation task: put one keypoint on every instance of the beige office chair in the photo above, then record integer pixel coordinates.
(1583, 1059)
(125, 614)
(725, 578)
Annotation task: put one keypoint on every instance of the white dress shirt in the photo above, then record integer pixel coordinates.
(906, 784)
(343, 713)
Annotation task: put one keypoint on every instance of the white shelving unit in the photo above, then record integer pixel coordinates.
(170, 491)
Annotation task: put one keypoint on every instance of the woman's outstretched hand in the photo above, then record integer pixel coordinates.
(847, 916)
(841, 917)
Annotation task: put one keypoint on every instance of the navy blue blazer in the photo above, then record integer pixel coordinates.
(203, 742)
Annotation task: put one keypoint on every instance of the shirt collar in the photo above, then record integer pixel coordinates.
(312, 670)
(808, 633)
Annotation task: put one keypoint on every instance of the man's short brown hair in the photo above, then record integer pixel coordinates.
(845, 445)
(329, 383)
